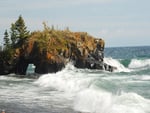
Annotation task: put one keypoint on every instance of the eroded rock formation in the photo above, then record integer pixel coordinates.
(51, 50)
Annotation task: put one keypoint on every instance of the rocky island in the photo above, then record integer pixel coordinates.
(50, 50)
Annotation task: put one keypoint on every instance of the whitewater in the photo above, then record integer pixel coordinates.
(72, 90)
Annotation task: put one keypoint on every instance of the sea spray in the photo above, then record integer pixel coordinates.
(93, 101)
(98, 101)
(69, 80)
(117, 64)
(139, 63)
(90, 95)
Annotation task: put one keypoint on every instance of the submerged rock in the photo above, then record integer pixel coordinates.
(51, 50)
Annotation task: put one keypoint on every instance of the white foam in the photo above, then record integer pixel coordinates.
(3, 78)
(94, 101)
(117, 64)
(144, 77)
(88, 97)
(66, 80)
(139, 63)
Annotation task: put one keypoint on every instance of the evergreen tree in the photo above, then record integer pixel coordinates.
(21, 29)
(6, 40)
(19, 32)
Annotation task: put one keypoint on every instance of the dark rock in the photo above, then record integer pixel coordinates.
(46, 67)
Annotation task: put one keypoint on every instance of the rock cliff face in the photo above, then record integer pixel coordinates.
(50, 50)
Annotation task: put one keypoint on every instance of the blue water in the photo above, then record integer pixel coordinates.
(72, 90)
(128, 52)
(132, 57)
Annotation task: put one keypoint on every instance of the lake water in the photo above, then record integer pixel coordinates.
(72, 90)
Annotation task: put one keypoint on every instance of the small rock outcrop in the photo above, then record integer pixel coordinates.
(51, 50)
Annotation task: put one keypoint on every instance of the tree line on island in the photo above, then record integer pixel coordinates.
(13, 39)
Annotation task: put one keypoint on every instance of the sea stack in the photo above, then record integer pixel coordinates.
(50, 50)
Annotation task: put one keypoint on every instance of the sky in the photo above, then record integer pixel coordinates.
(118, 22)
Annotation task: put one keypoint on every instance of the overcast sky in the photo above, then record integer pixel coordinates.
(118, 22)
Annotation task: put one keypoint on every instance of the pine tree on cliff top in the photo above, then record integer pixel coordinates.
(19, 32)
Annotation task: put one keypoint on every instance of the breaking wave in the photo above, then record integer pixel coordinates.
(89, 97)
(96, 101)
(114, 62)
(135, 63)
(128, 65)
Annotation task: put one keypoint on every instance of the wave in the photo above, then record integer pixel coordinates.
(69, 80)
(89, 97)
(96, 101)
(72, 79)
(137, 63)
(114, 62)
(128, 65)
